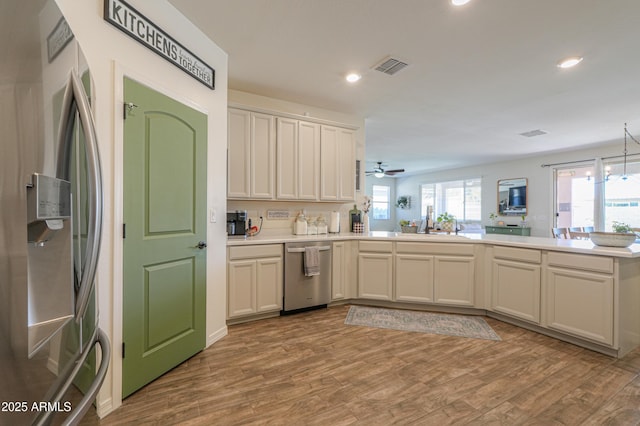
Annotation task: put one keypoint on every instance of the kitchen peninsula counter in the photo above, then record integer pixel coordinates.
(539, 243)
(572, 290)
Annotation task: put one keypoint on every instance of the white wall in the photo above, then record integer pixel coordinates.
(539, 191)
(312, 209)
(111, 55)
(392, 223)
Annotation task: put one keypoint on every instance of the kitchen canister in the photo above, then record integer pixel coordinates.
(322, 226)
(300, 225)
(334, 222)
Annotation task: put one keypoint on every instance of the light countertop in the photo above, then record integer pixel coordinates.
(573, 246)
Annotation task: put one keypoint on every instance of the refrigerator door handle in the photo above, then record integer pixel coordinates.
(81, 409)
(74, 99)
(61, 387)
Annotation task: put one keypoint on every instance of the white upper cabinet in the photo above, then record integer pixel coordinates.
(287, 159)
(251, 155)
(308, 161)
(329, 163)
(298, 160)
(238, 148)
(337, 164)
(263, 158)
(346, 165)
(274, 157)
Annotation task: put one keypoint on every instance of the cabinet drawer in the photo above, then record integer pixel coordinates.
(376, 246)
(512, 253)
(508, 230)
(582, 262)
(257, 251)
(462, 249)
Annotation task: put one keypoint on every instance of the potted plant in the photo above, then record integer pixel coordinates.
(492, 218)
(445, 220)
(523, 223)
(408, 227)
(621, 228)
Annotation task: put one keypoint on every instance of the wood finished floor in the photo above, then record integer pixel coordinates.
(311, 369)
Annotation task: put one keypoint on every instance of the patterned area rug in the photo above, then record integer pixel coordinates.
(422, 322)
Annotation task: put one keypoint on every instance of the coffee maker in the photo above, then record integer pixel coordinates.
(237, 223)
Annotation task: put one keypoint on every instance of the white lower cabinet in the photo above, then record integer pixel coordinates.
(516, 289)
(580, 294)
(414, 278)
(269, 284)
(254, 280)
(241, 289)
(435, 273)
(516, 285)
(593, 300)
(580, 303)
(341, 270)
(454, 280)
(375, 270)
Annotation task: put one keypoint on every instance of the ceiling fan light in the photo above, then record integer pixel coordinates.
(379, 174)
(570, 62)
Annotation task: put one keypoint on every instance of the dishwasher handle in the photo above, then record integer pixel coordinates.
(301, 249)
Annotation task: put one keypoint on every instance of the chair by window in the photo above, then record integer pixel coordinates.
(577, 233)
(559, 233)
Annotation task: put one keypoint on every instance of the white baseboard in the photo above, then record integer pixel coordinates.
(104, 407)
(217, 335)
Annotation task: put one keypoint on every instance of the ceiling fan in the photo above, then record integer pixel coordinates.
(379, 172)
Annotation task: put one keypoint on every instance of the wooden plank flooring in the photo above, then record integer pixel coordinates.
(312, 369)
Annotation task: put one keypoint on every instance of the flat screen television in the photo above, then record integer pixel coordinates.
(518, 197)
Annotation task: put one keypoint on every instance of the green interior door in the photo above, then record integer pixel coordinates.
(165, 195)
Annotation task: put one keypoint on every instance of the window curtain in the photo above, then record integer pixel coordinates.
(598, 196)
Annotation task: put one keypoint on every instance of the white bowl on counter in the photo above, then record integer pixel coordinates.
(612, 239)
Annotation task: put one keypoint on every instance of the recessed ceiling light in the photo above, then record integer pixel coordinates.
(570, 62)
(459, 2)
(353, 77)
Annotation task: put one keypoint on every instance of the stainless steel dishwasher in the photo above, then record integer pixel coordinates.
(302, 292)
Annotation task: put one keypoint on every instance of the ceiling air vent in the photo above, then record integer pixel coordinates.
(533, 133)
(390, 65)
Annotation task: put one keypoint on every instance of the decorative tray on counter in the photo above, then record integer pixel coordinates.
(407, 229)
(612, 239)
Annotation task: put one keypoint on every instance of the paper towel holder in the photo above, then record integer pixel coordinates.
(334, 223)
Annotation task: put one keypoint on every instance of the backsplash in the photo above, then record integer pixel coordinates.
(277, 223)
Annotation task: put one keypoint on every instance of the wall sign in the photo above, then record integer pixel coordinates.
(127, 19)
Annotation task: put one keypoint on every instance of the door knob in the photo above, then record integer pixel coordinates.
(201, 245)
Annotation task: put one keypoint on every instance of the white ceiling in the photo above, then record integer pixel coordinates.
(478, 75)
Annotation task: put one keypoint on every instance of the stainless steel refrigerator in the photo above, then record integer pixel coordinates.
(53, 356)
